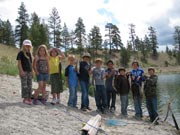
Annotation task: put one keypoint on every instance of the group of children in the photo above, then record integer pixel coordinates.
(44, 65)
(107, 82)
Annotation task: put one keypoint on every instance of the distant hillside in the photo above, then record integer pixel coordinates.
(9, 51)
(162, 64)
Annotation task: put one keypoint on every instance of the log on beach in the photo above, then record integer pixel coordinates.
(92, 126)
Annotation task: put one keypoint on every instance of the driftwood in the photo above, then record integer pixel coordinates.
(92, 126)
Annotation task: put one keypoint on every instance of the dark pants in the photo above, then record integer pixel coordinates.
(100, 97)
(85, 92)
(137, 97)
(151, 103)
(111, 95)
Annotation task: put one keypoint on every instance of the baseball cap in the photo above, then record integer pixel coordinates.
(27, 42)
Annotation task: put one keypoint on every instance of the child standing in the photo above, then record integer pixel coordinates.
(111, 93)
(98, 75)
(122, 86)
(72, 81)
(150, 89)
(84, 72)
(41, 68)
(136, 84)
(24, 58)
(55, 56)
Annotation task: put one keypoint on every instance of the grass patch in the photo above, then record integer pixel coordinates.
(8, 63)
(8, 66)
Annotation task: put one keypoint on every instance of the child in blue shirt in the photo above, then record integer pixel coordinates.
(136, 84)
(72, 81)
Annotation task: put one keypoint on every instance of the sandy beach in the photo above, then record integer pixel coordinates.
(17, 118)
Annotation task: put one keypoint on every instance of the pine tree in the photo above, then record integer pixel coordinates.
(6, 33)
(21, 30)
(80, 35)
(153, 40)
(124, 57)
(132, 36)
(55, 28)
(108, 27)
(65, 37)
(116, 38)
(177, 36)
(44, 37)
(38, 32)
(34, 32)
(95, 41)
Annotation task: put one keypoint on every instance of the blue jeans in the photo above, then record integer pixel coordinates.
(151, 103)
(138, 105)
(43, 77)
(100, 97)
(124, 104)
(72, 96)
(85, 92)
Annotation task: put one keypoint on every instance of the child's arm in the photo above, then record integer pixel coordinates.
(61, 55)
(47, 64)
(67, 82)
(35, 65)
(110, 74)
(21, 71)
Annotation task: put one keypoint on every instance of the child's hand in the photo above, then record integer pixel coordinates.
(133, 77)
(22, 73)
(37, 73)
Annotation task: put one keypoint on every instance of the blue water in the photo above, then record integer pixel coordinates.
(169, 90)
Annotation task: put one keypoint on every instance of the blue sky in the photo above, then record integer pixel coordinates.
(163, 15)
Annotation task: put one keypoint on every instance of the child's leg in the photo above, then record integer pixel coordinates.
(54, 95)
(44, 90)
(104, 97)
(98, 97)
(154, 108)
(40, 87)
(108, 98)
(113, 103)
(124, 104)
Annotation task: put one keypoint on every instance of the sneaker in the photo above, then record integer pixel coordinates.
(43, 101)
(25, 101)
(89, 108)
(30, 101)
(112, 109)
(53, 101)
(137, 117)
(57, 101)
(75, 107)
(84, 109)
(98, 110)
(35, 102)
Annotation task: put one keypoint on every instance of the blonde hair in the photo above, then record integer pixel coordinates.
(30, 51)
(45, 48)
(71, 56)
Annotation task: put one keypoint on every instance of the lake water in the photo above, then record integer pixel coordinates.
(169, 89)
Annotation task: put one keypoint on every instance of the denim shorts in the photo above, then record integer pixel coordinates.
(42, 77)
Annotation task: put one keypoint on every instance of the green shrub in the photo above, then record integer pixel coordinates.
(91, 90)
